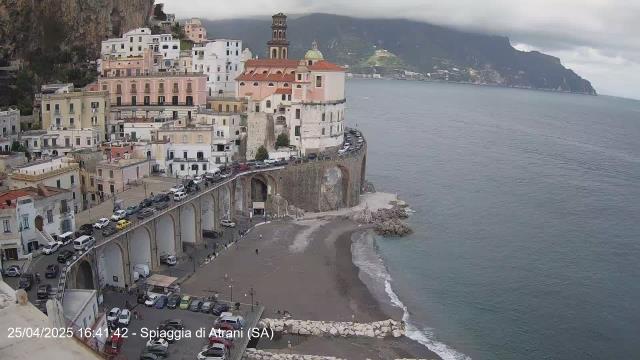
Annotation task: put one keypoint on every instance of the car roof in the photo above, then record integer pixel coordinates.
(124, 312)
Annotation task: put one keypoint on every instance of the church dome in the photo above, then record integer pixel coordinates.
(313, 53)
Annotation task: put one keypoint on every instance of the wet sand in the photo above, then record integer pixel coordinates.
(306, 268)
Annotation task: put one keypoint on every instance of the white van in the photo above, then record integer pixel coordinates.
(142, 270)
(65, 238)
(179, 196)
(84, 242)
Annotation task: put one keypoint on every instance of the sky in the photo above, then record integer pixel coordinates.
(598, 39)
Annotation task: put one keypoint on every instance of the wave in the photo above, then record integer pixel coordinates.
(366, 257)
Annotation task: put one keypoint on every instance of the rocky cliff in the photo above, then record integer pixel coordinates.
(29, 25)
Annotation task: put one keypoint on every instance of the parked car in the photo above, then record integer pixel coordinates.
(172, 323)
(145, 203)
(157, 343)
(206, 306)
(161, 302)
(85, 229)
(102, 222)
(84, 243)
(227, 223)
(179, 196)
(157, 350)
(146, 212)
(151, 299)
(219, 308)
(198, 180)
(177, 188)
(173, 301)
(162, 197)
(162, 205)
(52, 271)
(13, 271)
(26, 281)
(109, 230)
(149, 356)
(124, 318)
(213, 352)
(119, 215)
(185, 302)
(237, 322)
(168, 259)
(196, 305)
(123, 224)
(43, 291)
(113, 315)
(50, 248)
(64, 239)
(131, 210)
(227, 342)
(65, 256)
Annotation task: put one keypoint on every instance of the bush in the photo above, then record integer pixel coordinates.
(282, 140)
(262, 154)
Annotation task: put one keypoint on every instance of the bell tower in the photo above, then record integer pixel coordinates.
(278, 46)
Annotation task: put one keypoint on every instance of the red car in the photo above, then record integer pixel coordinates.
(114, 345)
(228, 343)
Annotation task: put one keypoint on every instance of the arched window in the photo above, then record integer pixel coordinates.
(284, 53)
(286, 85)
(265, 71)
(278, 72)
(271, 84)
(242, 83)
(274, 53)
(255, 83)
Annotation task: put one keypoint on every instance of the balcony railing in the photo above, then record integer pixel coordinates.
(190, 160)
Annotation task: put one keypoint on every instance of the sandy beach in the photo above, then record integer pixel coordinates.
(305, 267)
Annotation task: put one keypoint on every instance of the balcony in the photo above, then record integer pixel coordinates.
(191, 160)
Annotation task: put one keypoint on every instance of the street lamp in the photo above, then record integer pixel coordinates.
(231, 289)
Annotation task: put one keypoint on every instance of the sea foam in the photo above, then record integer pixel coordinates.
(369, 262)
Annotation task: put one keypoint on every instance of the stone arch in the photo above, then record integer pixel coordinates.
(188, 224)
(140, 248)
(111, 260)
(165, 235)
(84, 275)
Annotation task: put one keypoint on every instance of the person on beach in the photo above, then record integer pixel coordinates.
(256, 251)
(260, 236)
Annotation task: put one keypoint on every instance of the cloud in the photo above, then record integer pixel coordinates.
(597, 38)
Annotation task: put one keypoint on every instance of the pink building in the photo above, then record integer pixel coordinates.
(175, 89)
(195, 31)
(112, 66)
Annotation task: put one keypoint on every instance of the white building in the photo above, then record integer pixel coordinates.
(221, 60)
(10, 124)
(53, 143)
(30, 216)
(61, 173)
(134, 42)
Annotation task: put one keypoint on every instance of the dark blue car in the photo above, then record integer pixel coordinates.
(161, 302)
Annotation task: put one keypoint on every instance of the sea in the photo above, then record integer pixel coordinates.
(526, 219)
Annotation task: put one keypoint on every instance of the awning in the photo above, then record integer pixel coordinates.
(161, 280)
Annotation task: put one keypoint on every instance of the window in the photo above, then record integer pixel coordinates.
(323, 116)
(25, 221)
(271, 84)
(147, 100)
(72, 180)
(77, 141)
(48, 107)
(174, 100)
(58, 183)
(318, 81)
(160, 100)
(71, 108)
(299, 77)
(298, 114)
(6, 225)
(118, 101)
(268, 104)
(181, 166)
(88, 141)
(49, 216)
(111, 174)
(133, 100)
(322, 131)
(112, 188)
(200, 139)
(297, 130)
(200, 155)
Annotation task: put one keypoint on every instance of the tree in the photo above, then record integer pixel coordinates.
(262, 153)
(282, 140)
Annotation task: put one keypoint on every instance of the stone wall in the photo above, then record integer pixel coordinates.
(324, 185)
(376, 329)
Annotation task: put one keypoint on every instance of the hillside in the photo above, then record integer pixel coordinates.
(436, 52)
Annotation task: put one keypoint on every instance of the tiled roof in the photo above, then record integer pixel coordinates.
(7, 198)
(324, 65)
(266, 77)
(285, 63)
(283, 91)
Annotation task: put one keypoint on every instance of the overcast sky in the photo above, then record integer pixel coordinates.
(598, 39)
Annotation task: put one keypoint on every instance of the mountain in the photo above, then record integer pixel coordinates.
(392, 47)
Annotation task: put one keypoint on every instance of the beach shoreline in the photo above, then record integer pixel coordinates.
(306, 267)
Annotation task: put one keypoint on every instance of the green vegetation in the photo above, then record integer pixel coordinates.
(262, 153)
(186, 44)
(282, 140)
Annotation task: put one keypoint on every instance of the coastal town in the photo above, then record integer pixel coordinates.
(197, 200)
